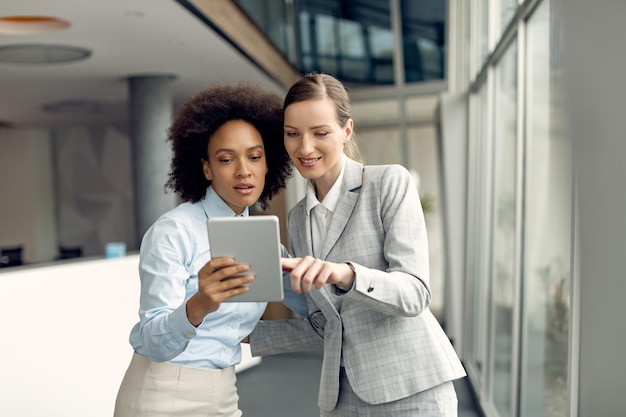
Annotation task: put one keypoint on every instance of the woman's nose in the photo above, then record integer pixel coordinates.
(243, 170)
(307, 146)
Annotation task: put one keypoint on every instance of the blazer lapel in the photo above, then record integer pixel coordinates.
(352, 181)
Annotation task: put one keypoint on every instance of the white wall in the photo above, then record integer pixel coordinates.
(595, 91)
(65, 334)
(27, 191)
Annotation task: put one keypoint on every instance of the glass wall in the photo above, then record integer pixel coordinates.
(356, 40)
(275, 18)
(423, 34)
(505, 11)
(505, 233)
(519, 228)
(477, 249)
(518, 275)
(349, 40)
(547, 220)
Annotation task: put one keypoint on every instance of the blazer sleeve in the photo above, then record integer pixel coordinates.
(400, 286)
(272, 337)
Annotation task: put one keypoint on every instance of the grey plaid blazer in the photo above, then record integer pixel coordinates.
(391, 344)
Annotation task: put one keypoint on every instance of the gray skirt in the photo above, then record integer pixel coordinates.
(439, 401)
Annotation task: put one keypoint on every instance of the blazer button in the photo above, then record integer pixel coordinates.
(370, 289)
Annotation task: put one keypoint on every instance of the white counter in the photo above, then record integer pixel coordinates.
(64, 346)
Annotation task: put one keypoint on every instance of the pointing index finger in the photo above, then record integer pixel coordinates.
(289, 264)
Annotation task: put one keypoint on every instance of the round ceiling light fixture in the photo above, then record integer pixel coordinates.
(27, 25)
(42, 54)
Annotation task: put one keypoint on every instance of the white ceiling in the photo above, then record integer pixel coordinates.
(126, 38)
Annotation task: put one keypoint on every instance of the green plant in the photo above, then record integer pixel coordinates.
(428, 204)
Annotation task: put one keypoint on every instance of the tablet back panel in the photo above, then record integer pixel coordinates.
(253, 240)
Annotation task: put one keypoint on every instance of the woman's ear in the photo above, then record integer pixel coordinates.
(206, 168)
(349, 128)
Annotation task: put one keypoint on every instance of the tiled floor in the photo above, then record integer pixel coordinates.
(286, 386)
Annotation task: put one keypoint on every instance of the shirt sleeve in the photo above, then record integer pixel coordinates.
(164, 269)
(296, 302)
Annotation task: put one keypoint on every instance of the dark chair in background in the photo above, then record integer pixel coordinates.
(11, 256)
(69, 252)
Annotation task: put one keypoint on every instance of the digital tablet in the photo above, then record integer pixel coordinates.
(252, 240)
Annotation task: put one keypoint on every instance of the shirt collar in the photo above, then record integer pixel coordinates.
(330, 201)
(214, 206)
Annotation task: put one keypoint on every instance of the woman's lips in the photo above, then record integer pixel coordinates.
(308, 162)
(244, 189)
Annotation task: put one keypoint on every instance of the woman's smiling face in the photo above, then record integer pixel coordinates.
(236, 164)
(314, 140)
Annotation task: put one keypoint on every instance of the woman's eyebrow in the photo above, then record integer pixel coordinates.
(229, 150)
(312, 127)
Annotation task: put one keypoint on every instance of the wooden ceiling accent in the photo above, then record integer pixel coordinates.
(233, 23)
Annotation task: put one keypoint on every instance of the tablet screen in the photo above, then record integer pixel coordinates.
(252, 240)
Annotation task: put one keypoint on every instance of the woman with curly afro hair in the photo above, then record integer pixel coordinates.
(228, 154)
(199, 118)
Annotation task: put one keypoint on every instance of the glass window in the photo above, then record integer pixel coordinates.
(484, 46)
(351, 40)
(503, 267)
(478, 233)
(507, 9)
(274, 18)
(326, 43)
(547, 228)
(306, 40)
(423, 32)
(380, 44)
(354, 56)
(483, 26)
(478, 43)
(354, 40)
(519, 230)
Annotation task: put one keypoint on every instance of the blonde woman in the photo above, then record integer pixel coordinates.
(361, 257)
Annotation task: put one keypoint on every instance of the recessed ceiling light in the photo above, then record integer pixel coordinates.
(24, 25)
(41, 54)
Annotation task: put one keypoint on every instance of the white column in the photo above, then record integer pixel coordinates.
(595, 91)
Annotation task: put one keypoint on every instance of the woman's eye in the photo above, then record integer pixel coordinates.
(225, 160)
(322, 134)
(256, 157)
(291, 134)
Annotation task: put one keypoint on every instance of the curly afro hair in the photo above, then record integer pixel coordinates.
(196, 121)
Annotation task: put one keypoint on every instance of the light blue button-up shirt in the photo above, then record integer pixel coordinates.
(172, 252)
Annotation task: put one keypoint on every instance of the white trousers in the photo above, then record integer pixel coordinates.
(153, 389)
